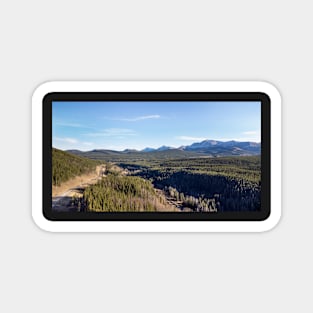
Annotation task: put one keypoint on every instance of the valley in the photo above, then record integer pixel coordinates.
(167, 180)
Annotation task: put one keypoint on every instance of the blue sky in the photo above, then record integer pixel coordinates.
(136, 125)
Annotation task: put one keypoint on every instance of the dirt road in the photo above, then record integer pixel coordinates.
(62, 195)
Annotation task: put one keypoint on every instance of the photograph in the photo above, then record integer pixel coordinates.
(156, 156)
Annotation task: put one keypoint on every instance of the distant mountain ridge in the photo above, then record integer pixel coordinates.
(164, 148)
(207, 147)
(147, 149)
(206, 144)
(247, 147)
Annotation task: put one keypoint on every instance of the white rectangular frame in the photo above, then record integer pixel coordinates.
(156, 226)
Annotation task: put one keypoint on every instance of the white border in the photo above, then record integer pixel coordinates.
(156, 226)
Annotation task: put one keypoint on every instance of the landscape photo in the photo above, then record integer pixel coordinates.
(156, 156)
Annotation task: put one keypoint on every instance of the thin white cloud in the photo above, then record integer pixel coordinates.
(138, 118)
(242, 139)
(66, 139)
(75, 125)
(251, 133)
(66, 143)
(113, 132)
(190, 138)
(68, 124)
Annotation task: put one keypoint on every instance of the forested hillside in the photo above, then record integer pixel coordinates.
(206, 184)
(197, 184)
(116, 193)
(66, 166)
(121, 156)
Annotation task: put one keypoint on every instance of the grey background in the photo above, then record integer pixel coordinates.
(155, 40)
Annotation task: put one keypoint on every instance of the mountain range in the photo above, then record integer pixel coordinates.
(203, 148)
(209, 145)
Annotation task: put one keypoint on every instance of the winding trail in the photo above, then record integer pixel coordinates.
(61, 202)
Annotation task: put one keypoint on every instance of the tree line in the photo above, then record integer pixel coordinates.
(197, 204)
(220, 192)
(208, 184)
(116, 193)
(66, 166)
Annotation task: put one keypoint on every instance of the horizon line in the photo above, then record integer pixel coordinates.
(169, 147)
